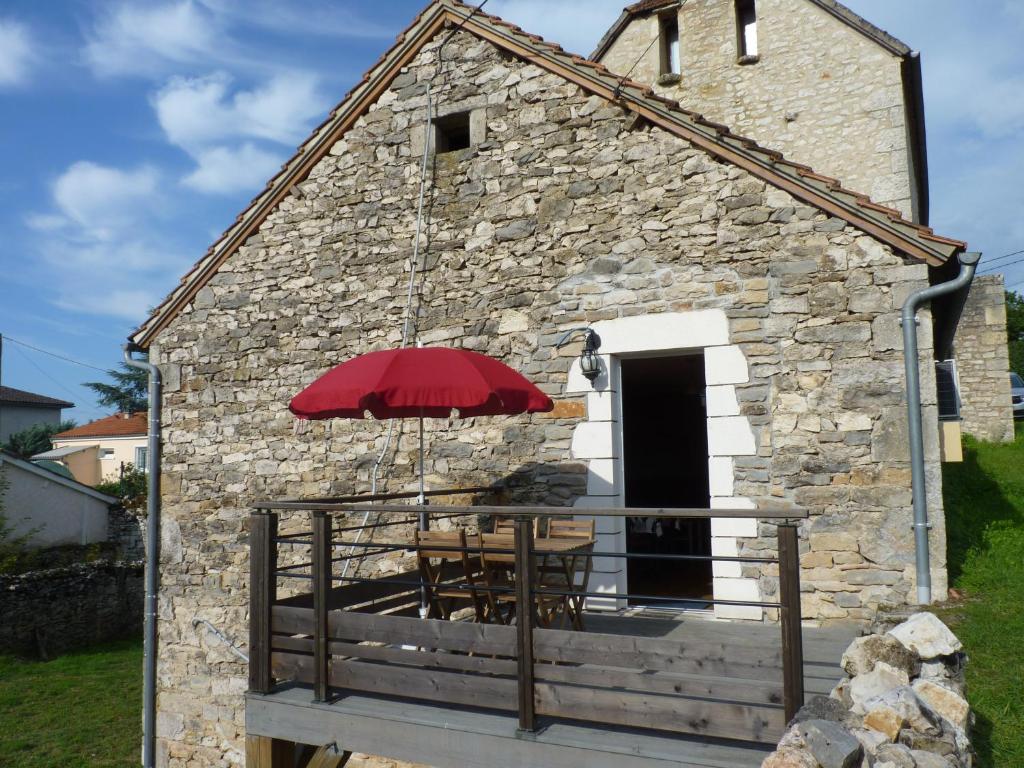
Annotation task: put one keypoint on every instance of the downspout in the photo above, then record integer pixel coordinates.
(152, 557)
(962, 282)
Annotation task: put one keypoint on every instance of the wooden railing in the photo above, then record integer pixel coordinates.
(365, 634)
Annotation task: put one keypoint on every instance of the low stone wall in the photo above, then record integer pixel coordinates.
(126, 527)
(50, 612)
(902, 706)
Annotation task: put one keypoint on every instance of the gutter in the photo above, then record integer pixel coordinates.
(960, 284)
(152, 556)
(917, 140)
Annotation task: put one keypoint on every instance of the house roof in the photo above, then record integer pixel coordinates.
(118, 425)
(9, 458)
(840, 11)
(60, 453)
(815, 189)
(19, 397)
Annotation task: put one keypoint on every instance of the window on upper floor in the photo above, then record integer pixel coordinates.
(106, 453)
(140, 458)
(746, 31)
(669, 31)
(451, 132)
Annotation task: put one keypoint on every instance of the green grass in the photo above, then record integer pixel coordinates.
(984, 498)
(82, 710)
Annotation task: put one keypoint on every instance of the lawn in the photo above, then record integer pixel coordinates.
(984, 500)
(82, 710)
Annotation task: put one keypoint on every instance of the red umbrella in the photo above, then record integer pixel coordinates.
(419, 382)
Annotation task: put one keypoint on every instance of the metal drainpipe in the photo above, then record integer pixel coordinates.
(908, 319)
(152, 557)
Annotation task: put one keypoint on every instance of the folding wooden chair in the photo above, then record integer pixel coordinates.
(442, 594)
(574, 573)
(498, 569)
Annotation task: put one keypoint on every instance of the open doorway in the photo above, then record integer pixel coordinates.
(665, 464)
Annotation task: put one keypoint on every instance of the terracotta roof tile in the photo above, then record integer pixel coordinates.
(118, 425)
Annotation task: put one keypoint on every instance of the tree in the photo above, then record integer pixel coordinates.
(1015, 330)
(130, 488)
(128, 392)
(35, 439)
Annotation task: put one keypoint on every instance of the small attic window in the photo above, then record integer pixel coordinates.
(451, 132)
(669, 30)
(746, 31)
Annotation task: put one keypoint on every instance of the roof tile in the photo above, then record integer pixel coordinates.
(118, 425)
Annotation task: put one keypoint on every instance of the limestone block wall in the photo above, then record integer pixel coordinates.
(566, 213)
(821, 92)
(983, 362)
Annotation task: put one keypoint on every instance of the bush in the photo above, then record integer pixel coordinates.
(130, 488)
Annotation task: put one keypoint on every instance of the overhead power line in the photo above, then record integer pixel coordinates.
(54, 354)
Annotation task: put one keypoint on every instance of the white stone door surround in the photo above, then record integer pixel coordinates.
(598, 441)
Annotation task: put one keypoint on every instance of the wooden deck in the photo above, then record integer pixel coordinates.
(444, 734)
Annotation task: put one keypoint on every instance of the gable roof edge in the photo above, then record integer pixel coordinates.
(819, 191)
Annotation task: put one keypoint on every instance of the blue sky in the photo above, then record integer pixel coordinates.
(132, 133)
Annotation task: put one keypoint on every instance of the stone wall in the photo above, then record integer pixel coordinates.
(983, 362)
(567, 212)
(821, 93)
(51, 612)
(126, 529)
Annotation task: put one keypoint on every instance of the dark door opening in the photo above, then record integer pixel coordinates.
(665, 464)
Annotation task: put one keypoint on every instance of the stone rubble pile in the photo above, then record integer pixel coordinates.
(902, 705)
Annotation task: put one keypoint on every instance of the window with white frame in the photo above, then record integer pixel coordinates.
(141, 453)
(107, 453)
(746, 31)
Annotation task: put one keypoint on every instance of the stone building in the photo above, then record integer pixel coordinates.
(558, 195)
(809, 78)
(983, 362)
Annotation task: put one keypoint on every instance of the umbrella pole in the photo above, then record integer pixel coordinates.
(424, 521)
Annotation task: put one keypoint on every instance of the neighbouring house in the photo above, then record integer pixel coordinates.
(20, 410)
(98, 451)
(49, 508)
(745, 301)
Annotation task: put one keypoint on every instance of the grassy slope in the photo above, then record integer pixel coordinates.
(82, 710)
(984, 499)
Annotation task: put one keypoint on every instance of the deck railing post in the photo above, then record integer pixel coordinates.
(322, 573)
(262, 594)
(790, 619)
(524, 621)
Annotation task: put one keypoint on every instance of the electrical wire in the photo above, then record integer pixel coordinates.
(657, 37)
(54, 354)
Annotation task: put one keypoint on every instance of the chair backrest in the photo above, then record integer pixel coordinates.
(504, 525)
(571, 529)
(427, 539)
(503, 541)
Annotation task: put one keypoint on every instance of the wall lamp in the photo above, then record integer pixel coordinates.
(590, 362)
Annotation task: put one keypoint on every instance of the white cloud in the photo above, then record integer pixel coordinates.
(132, 39)
(103, 243)
(16, 53)
(227, 133)
(104, 201)
(325, 18)
(194, 112)
(225, 170)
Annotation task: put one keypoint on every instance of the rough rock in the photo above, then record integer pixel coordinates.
(885, 720)
(927, 635)
(865, 652)
(789, 757)
(831, 744)
(930, 760)
(877, 682)
(945, 701)
(824, 708)
(896, 755)
(915, 712)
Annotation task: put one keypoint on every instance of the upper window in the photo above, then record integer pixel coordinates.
(669, 30)
(140, 457)
(746, 30)
(451, 132)
(106, 453)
